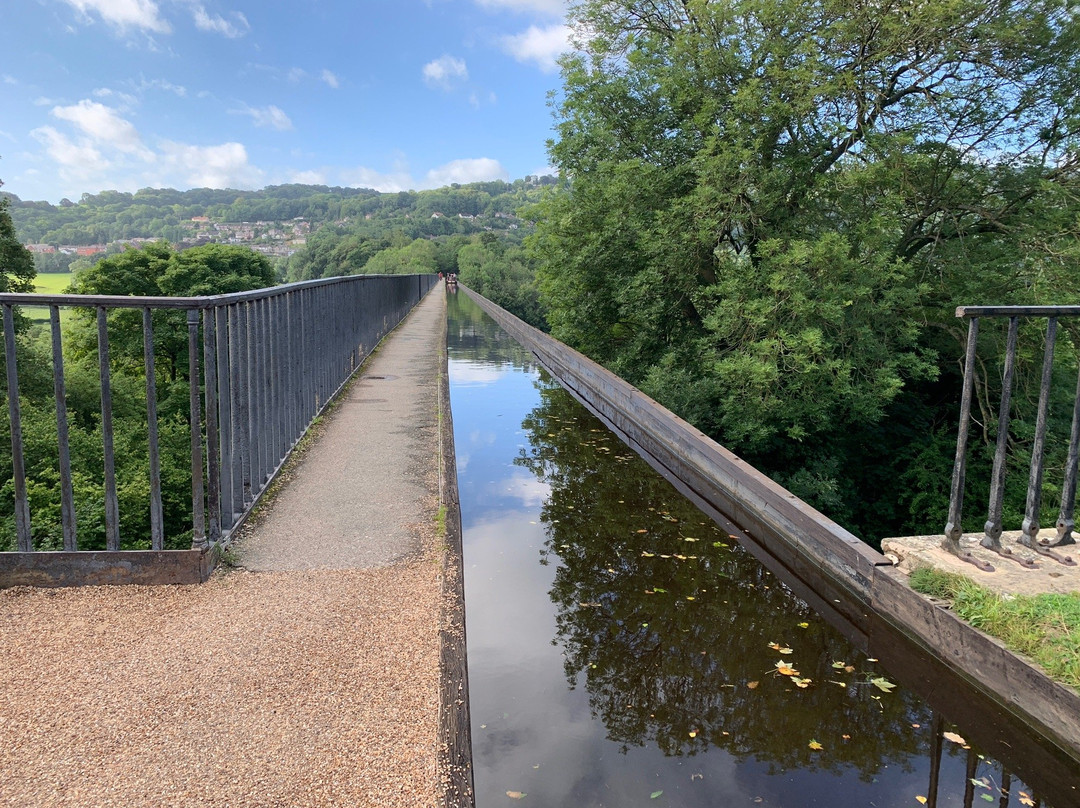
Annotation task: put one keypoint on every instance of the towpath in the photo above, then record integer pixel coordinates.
(307, 675)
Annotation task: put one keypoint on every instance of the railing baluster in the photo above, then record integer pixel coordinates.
(992, 527)
(198, 502)
(213, 454)
(157, 526)
(112, 505)
(242, 364)
(67, 495)
(225, 418)
(1030, 530)
(1065, 521)
(23, 537)
(953, 530)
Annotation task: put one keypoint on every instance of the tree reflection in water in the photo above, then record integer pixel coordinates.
(682, 639)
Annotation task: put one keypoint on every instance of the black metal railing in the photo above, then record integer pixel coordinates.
(1030, 527)
(261, 365)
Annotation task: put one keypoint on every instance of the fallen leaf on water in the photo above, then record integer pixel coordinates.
(834, 682)
(817, 747)
(803, 683)
(690, 597)
(696, 776)
(952, 736)
(982, 782)
(647, 554)
(656, 794)
(693, 733)
(871, 659)
(921, 799)
(846, 737)
(643, 531)
(881, 683)
(803, 625)
(689, 538)
(751, 685)
(849, 669)
(1025, 799)
(987, 797)
(839, 665)
(516, 795)
(784, 668)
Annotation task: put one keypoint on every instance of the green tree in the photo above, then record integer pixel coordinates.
(16, 262)
(766, 203)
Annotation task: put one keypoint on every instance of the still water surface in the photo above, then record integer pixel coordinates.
(625, 651)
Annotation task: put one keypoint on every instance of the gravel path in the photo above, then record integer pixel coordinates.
(304, 687)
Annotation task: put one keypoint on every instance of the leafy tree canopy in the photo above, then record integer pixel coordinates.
(771, 207)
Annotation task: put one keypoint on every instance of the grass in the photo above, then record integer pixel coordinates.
(52, 283)
(49, 283)
(1045, 628)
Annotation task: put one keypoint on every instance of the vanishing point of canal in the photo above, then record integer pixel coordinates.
(625, 650)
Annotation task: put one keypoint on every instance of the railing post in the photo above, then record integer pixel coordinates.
(24, 538)
(953, 530)
(213, 456)
(1065, 521)
(112, 505)
(157, 528)
(1030, 529)
(992, 539)
(198, 505)
(67, 495)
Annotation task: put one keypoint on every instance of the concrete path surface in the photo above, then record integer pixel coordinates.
(355, 498)
(308, 677)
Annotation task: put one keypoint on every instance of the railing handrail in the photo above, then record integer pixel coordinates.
(165, 302)
(1018, 311)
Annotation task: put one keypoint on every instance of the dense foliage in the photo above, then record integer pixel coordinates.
(772, 207)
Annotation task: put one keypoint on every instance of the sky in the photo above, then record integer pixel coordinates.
(386, 94)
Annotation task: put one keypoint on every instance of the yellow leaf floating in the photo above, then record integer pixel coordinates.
(693, 733)
(952, 736)
(516, 795)
(803, 683)
(817, 747)
(921, 799)
(803, 625)
(752, 685)
(784, 668)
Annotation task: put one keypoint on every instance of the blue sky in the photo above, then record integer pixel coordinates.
(386, 94)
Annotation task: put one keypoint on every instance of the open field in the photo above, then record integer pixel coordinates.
(52, 283)
(49, 283)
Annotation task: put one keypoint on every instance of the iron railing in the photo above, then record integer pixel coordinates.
(993, 527)
(261, 366)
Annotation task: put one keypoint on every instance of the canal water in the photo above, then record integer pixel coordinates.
(624, 650)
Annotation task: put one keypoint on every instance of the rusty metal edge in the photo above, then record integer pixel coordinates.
(454, 763)
(788, 527)
(102, 567)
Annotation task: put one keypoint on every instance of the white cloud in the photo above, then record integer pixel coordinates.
(478, 169)
(401, 179)
(295, 75)
(124, 14)
(223, 166)
(540, 45)
(269, 116)
(445, 71)
(104, 127)
(160, 84)
(330, 79)
(76, 161)
(9, 79)
(124, 98)
(392, 182)
(307, 177)
(217, 24)
(552, 7)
